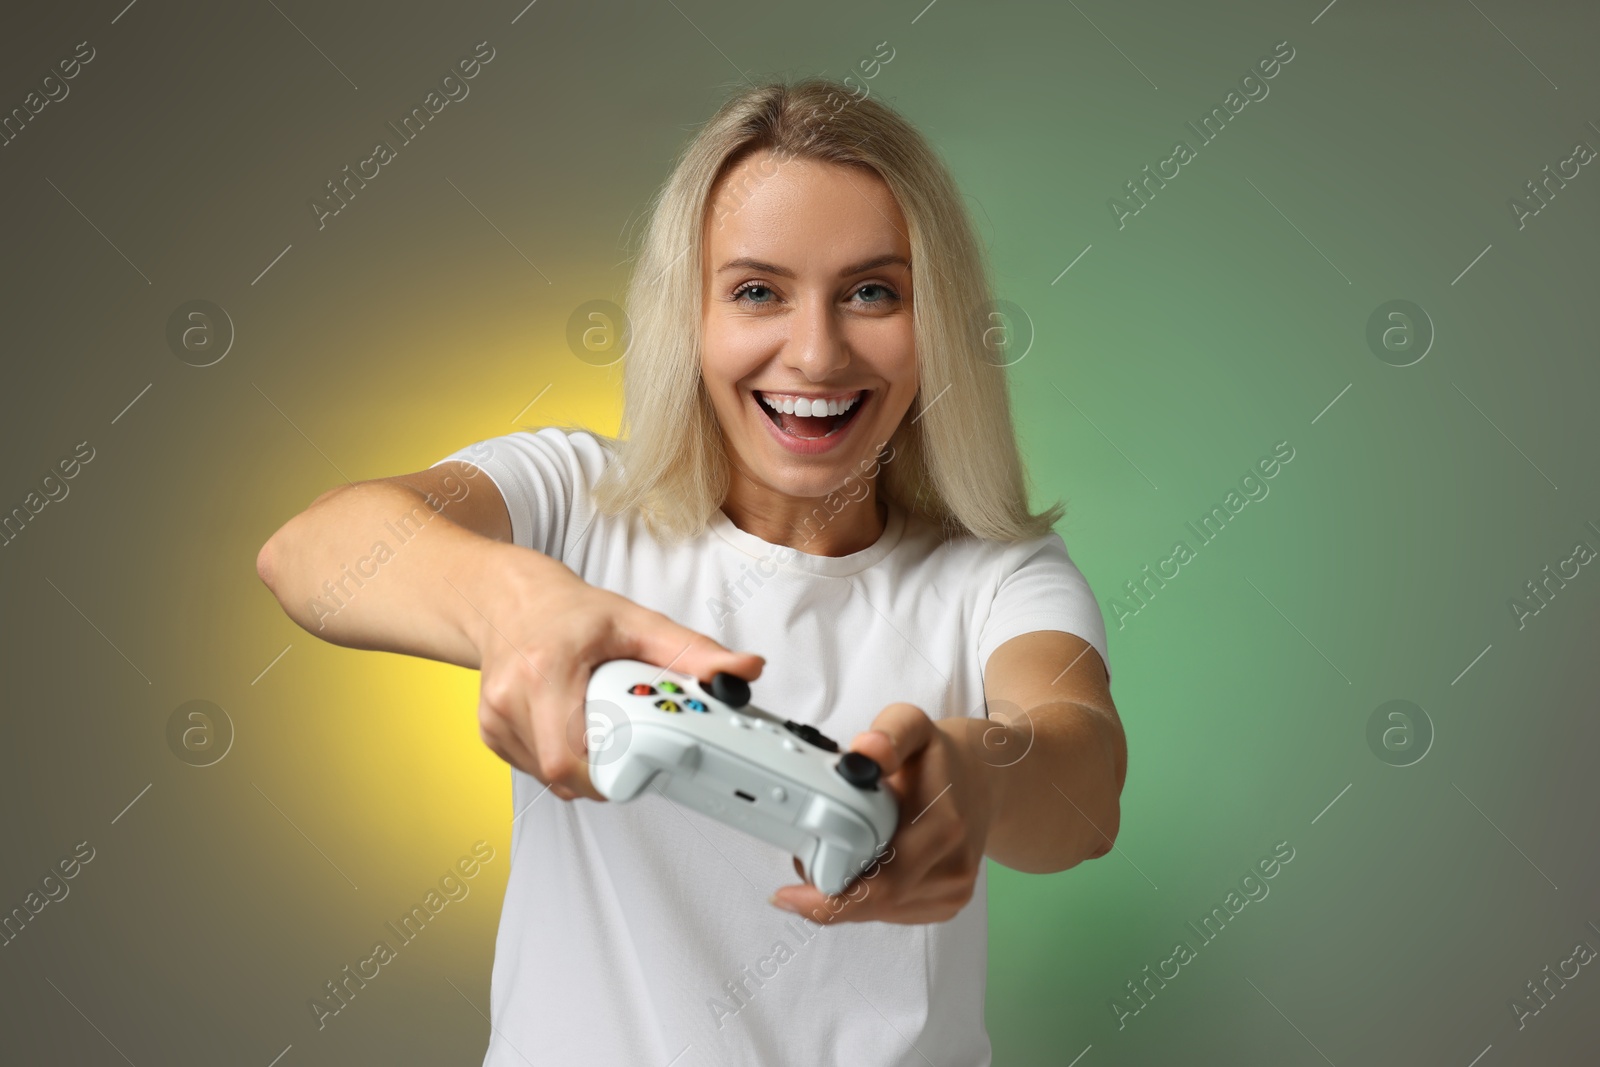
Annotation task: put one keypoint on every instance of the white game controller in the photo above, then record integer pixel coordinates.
(781, 781)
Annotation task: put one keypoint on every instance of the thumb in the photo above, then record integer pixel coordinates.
(665, 643)
(899, 732)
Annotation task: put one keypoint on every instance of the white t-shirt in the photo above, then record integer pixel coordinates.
(639, 934)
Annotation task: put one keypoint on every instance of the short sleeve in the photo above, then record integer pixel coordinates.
(1044, 591)
(544, 477)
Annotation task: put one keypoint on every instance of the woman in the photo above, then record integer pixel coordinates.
(817, 486)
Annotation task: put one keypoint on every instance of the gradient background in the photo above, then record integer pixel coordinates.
(1224, 318)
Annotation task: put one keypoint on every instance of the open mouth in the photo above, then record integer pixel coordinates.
(811, 419)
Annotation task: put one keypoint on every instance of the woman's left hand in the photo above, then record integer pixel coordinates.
(947, 797)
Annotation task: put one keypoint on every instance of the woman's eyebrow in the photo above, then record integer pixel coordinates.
(782, 272)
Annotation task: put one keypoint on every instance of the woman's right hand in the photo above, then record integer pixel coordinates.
(542, 636)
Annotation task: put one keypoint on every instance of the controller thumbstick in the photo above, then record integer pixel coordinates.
(730, 689)
(860, 770)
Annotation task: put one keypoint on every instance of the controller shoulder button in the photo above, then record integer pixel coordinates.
(809, 733)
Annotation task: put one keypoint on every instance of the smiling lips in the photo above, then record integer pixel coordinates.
(810, 418)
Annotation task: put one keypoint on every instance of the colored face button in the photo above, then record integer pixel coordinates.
(641, 690)
(670, 687)
(694, 705)
(668, 705)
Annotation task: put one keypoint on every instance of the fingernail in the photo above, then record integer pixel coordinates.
(778, 902)
(887, 739)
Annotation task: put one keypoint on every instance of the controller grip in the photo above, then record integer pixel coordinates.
(648, 753)
(829, 868)
(845, 846)
(627, 780)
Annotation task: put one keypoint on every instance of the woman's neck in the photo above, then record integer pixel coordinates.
(807, 525)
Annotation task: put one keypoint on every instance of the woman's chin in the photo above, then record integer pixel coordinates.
(845, 471)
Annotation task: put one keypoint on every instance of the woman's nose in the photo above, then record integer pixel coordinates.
(816, 347)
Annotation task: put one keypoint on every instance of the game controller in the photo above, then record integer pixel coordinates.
(709, 749)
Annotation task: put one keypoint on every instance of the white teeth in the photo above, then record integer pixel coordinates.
(805, 407)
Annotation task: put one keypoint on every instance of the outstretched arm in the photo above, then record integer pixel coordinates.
(1064, 758)
(423, 564)
(1036, 786)
(369, 565)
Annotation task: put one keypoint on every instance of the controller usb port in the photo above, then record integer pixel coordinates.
(742, 795)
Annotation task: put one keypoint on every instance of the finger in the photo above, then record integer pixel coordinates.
(899, 732)
(811, 903)
(655, 638)
(577, 782)
(555, 721)
(866, 897)
(500, 739)
(937, 900)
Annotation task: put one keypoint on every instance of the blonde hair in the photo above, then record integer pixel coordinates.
(953, 463)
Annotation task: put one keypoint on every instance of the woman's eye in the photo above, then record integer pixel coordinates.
(744, 291)
(756, 293)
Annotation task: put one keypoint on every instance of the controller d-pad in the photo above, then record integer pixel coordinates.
(809, 733)
(668, 705)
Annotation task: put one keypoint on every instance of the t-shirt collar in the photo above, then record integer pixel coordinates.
(827, 566)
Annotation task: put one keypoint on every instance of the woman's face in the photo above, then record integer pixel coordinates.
(808, 348)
